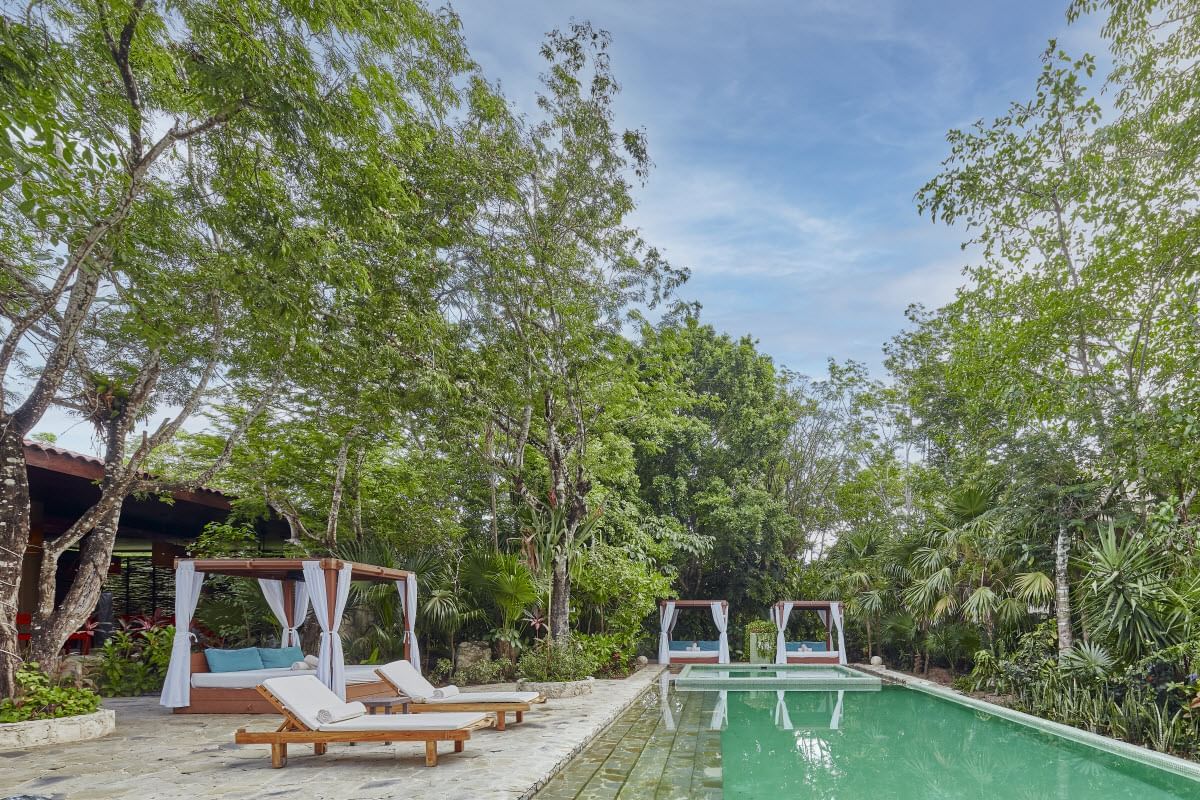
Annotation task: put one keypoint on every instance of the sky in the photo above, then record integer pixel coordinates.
(789, 139)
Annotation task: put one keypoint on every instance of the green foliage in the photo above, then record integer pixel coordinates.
(40, 697)
(766, 633)
(133, 664)
(557, 661)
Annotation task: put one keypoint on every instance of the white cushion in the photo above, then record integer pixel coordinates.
(407, 722)
(405, 677)
(486, 697)
(304, 696)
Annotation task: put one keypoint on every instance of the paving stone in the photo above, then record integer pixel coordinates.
(165, 756)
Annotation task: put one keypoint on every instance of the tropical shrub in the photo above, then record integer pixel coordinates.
(556, 661)
(134, 663)
(41, 697)
(765, 631)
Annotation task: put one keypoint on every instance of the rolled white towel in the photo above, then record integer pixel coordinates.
(340, 713)
(446, 691)
(302, 666)
(313, 660)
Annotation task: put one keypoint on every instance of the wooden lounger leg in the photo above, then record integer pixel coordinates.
(499, 720)
(460, 745)
(431, 753)
(278, 754)
(520, 716)
(319, 748)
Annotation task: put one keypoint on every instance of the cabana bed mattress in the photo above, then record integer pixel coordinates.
(248, 679)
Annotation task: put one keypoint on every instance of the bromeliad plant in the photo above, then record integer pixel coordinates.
(135, 663)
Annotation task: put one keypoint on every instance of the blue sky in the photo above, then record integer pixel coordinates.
(789, 138)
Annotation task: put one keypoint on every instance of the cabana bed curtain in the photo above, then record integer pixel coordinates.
(331, 662)
(720, 615)
(273, 591)
(667, 620)
(177, 686)
(408, 599)
(780, 620)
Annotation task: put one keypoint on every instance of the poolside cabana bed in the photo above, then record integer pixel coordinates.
(290, 586)
(830, 651)
(693, 652)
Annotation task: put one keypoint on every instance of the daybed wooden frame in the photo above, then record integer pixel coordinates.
(704, 656)
(293, 731)
(248, 700)
(518, 709)
(212, 700)
(830, 656)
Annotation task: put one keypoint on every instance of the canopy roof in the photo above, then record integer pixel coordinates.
(818, 604)
(697, 603)
(291, 569)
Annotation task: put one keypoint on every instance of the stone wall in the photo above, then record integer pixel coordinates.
(38, 732)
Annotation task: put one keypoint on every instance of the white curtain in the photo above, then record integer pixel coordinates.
(720, 616)
(780, 618)
(666, 620)
(331, 662)
(177, 687)
(720, 712)
(299, 612)
(664, 700)
(273, 592)
(782, 718)
(836, 609)
(410, 621)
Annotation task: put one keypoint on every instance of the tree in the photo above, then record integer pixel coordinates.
(188, 194)
(550, 277)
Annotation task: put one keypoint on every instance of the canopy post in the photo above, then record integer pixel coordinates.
(289, 606)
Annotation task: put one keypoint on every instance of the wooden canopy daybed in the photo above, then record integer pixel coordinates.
(693, 652)
(832, 650)
(191, 688)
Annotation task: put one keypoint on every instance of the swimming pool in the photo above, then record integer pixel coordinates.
(774, 676)
(894, 744)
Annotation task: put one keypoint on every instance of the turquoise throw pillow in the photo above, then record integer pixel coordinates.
(233, 660)
(280, 657)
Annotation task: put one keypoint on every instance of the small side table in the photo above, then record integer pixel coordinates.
(385, 705)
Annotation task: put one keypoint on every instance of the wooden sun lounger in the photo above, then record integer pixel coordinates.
(501, 710)
(293, 731)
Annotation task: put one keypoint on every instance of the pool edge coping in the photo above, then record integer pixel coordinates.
(615, 714)
(1166, 761)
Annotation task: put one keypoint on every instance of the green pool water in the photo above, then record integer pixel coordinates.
(893, 744)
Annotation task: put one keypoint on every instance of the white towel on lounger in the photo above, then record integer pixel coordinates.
(450, 690)
(341, 713)
(302, 666)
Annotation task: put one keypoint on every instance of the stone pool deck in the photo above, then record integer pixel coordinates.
(156, 754)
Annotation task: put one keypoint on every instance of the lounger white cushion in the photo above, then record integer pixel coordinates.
(408, 722)
(485, 697)
(410, 682)
(405, 677)
(304, 696)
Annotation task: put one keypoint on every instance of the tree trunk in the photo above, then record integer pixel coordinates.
(54, 623)
(14, 540)
(560, 601)
(1062, 589)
